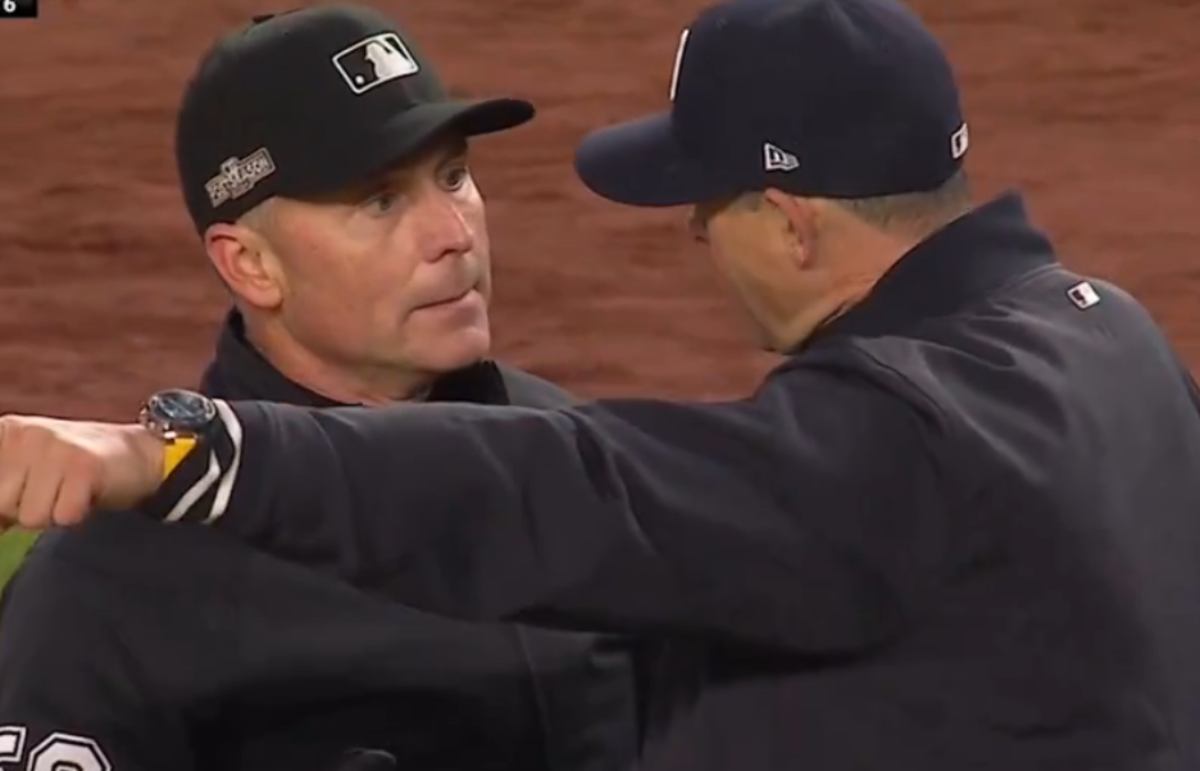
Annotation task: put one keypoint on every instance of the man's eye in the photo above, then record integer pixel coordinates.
(456, 177)
(381, 202)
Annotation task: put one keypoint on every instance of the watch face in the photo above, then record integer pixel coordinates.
(182, 410)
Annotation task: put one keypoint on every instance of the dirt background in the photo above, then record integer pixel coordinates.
(1091, 107)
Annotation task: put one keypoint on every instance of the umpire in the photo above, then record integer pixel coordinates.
(958, 528)
(133, 647)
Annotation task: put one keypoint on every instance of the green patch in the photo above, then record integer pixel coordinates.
(14, 545)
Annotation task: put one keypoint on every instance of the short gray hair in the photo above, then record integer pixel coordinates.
(260, 218)
(921, 212)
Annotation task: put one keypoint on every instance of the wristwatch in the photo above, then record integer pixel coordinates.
(180, 418)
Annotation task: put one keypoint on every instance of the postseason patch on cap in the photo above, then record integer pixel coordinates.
(374, 61)
(239, 176)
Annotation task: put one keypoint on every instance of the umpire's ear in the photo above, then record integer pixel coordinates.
(243, 257)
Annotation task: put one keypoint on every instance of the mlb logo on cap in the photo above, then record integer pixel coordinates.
(374, 61)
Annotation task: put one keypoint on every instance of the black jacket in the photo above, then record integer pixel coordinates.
(959, 529)
(179, 649)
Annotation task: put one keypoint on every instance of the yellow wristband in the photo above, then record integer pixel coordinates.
(175, 451)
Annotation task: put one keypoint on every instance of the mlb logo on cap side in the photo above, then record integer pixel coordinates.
(959, 142)
(375, 61)
(778, 159)
(1084, 295)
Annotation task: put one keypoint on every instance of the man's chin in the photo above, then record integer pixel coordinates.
(462, 348)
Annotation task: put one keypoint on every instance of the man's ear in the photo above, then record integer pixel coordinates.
(246, 263)
(803, 219)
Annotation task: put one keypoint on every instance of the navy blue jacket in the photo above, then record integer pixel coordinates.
(959, 529)
(180, 649)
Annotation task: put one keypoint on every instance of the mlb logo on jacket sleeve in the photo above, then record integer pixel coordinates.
(1084, 295)
(374, 61)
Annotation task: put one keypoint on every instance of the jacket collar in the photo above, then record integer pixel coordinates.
(977, 253)
(239, 371)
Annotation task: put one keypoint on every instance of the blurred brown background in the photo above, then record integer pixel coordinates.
(1091, 107)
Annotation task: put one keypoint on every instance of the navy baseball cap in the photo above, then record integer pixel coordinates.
(306, 102)
(828, 98)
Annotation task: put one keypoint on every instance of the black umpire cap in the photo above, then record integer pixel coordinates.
(831, 98)
(309, 101)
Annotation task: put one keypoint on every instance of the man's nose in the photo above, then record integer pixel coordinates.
(445, 226)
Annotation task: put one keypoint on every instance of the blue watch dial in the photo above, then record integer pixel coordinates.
(182, 410)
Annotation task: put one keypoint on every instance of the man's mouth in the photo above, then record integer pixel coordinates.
(449, 300)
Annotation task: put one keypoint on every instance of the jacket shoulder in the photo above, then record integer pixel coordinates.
(100, 571)
(66, 664)
(75, 567)
(43, 589)
(54, 626)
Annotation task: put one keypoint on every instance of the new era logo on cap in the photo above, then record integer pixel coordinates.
(778, 159)
(374, 61)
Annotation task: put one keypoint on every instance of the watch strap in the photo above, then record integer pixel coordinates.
(175, 452)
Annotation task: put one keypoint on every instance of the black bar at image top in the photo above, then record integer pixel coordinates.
(18, 9)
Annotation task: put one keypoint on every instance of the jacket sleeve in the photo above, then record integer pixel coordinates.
(71, 696)
(807, 517)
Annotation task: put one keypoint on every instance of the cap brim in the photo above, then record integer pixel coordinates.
(641, 163)
(414, 129)
(411, 131)
(478, 117)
